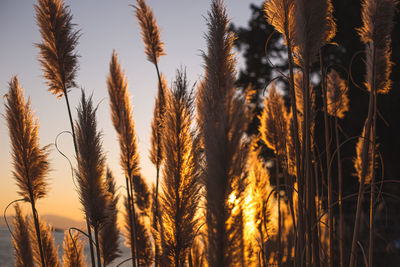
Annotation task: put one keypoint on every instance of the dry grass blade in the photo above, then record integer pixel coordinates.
(154, 47)
(337, 100)
(57, 51)
(221, 119)
(50, 250)
(73, 250)
(92, 192)
(22, 242)
(109, 232)
(30, 161)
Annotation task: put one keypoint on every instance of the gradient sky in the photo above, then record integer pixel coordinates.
(105, 25)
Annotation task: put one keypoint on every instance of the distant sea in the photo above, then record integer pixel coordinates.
(7, 251)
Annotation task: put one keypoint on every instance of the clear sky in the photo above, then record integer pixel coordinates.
(105, 25)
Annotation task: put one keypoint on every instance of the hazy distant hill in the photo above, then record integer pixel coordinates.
(58, 222)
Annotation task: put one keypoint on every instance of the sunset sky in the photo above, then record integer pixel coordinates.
(105, 25)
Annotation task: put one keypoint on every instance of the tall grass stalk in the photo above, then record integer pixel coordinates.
(59, 60)
(337, 105)
(30, 161)
(154, 49)
(375, 33)
(121, 115)
(91, 166)
(221, 119)
(181, 187)
(280, 14)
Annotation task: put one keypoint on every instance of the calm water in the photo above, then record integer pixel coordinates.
(7, 252)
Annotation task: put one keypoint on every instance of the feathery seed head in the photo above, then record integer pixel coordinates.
(57, 51)
(337, 100)
(273, 121)
(22, 240)
(314, 27)
(381, 70)
(156, 156)
(371, 163)
(73, 250)
(121, 115)
(181, 187)
(92, 191)
(50, 250)
(30, 162)
(109, 232)
(154, 47)
(377, 17)
(279, 13)
(221, 118)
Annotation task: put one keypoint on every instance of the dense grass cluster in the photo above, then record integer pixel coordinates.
(216, 201)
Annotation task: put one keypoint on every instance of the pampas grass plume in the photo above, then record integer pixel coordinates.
(273, 121)
(57, 51)
(337, 100)
(121, 115)
(109, 232)
(314, 27)
(73, 250)
(30, 161)
(50, 251)
(156, 156)
(154, 47)
(92, 193)
(22, 240)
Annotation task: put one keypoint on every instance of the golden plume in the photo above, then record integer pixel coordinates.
(121, 115)
(57, 56)
(181, 188)
(299, 91)
(150, 32)
(109, 232)
(370, 164)
(273, 122)
(92, 193)
(279, 13)
(145, 249)
(222, 120)
(156, 156)
(314, 27)
(73, 250)
(22, 240)
(375, 33)
(377, 18)
(337, 100)
(257, 227)
(30, 161)
(50, 251)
